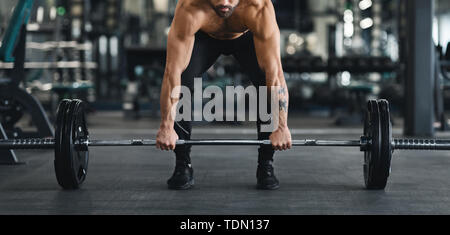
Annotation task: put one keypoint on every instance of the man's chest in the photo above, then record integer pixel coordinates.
(224, 27)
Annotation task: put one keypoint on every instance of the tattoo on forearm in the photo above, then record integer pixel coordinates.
(283, 105)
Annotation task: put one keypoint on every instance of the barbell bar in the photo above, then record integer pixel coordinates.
(71, 144)
(363, 143)
(50, 143)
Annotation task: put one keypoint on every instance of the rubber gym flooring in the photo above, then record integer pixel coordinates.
(313, 180)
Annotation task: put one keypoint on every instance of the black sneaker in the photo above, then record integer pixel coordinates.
(265, 176)
(182, 178)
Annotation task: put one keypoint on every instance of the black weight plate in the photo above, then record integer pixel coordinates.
(372, 153)
(79, 133)
(63, 109)
(71, 163)
(384, 165)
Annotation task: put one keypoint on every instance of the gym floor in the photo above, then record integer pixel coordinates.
(313, 180)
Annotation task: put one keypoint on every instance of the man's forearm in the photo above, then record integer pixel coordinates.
(168, 99)
(283, 101)
(282, 97)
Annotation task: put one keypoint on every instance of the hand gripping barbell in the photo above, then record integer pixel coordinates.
(71, 144)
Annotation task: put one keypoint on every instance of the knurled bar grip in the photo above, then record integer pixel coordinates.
(27, 144)
(421, 144)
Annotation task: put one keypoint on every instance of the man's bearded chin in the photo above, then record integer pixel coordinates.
(224, 14)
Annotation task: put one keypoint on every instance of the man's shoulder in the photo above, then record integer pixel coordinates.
(190, 10)
(189, 15)
(253, 9)
(259, 18)
(257, 4)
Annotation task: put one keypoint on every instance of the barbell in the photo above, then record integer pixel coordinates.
(71, 144)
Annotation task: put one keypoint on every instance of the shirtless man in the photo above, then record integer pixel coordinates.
(201, 31)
